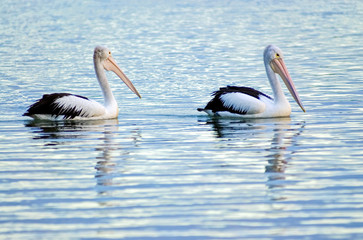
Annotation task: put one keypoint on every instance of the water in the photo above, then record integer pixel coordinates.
(164, 170)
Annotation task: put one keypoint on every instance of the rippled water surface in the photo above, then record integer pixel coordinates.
(164, 170)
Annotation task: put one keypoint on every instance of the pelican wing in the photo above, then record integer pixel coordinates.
(239, 100)
(66, 105)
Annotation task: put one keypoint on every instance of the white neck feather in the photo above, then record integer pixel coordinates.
(110, 101)
(275, 84)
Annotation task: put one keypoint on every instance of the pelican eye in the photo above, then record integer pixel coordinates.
(277, 55)
(109, 52)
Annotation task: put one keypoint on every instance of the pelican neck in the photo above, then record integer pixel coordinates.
(105, 86)
(275, 84)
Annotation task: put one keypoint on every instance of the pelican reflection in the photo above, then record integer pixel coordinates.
(282, 136)
(97, 140)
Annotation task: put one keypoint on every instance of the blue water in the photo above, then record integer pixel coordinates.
(163, 170)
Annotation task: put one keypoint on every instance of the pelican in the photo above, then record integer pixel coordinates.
(245, 102)
(66, 106)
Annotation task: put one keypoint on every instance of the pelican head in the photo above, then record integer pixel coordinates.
(273, 58)
(103, 56)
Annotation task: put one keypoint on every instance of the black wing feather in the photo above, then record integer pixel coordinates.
(217, 105)
(47, 105)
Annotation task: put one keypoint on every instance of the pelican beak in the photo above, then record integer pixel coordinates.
(110, 65)
(279, 67)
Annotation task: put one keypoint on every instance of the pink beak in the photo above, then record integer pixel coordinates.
(110, 65)
(279, 67)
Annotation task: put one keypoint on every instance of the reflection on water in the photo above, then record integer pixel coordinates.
(111, 154)
(229, 128)
(55, 131)
(283, 143)
(110, 165)
(281, 136)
